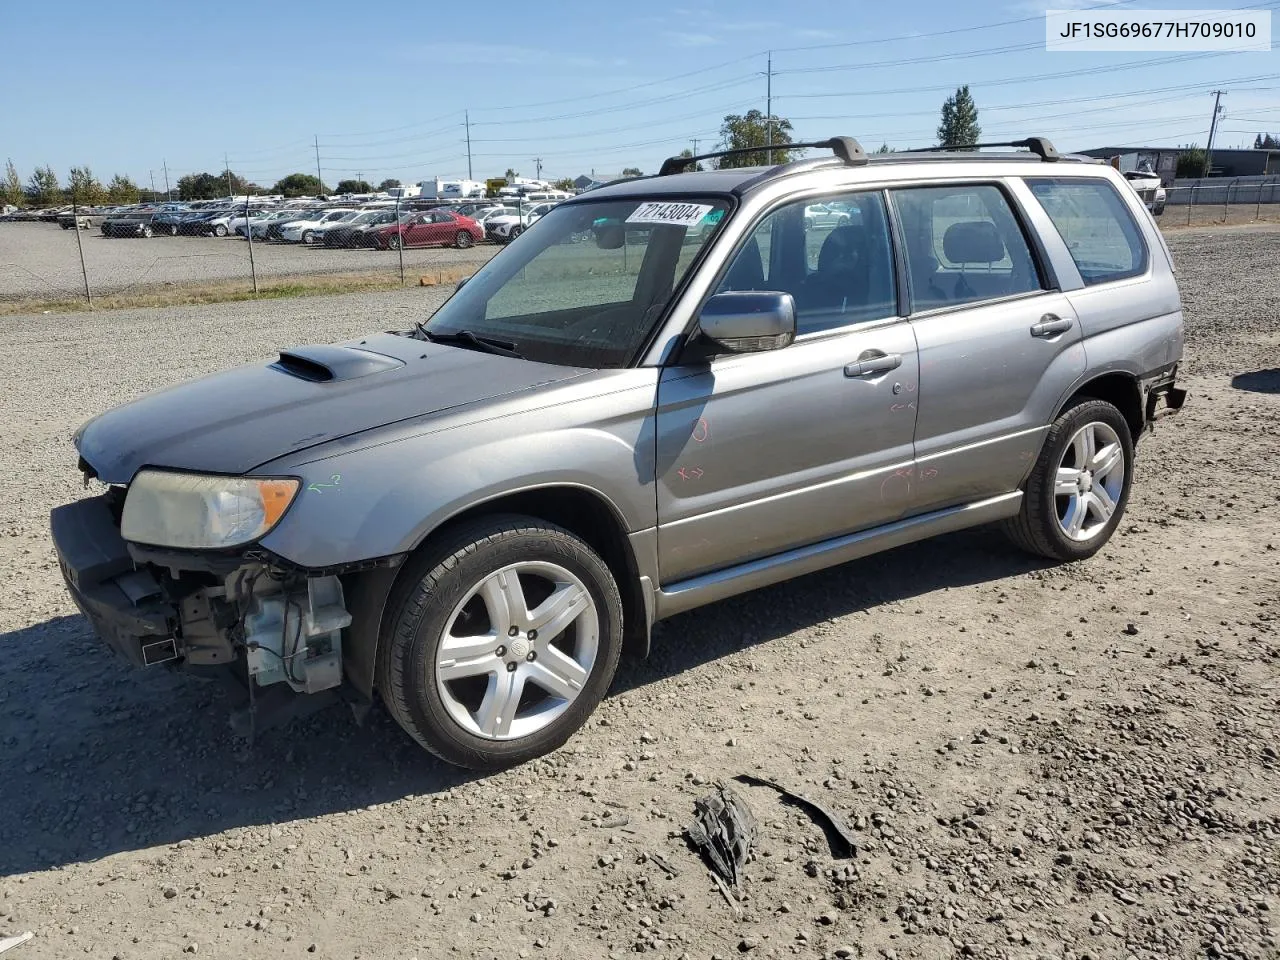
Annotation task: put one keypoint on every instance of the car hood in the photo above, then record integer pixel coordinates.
(233, 421)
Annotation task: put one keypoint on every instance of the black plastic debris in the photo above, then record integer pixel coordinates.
(723, 831)
(839, 836)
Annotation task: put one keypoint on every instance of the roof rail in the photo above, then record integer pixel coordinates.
(846, 148)
(1040, 146)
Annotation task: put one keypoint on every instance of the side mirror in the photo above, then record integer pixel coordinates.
(749, 321)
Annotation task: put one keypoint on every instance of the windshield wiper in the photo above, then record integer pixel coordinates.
(502, 348)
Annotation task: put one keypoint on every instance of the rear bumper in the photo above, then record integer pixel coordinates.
(1161, 397)
(124, 604)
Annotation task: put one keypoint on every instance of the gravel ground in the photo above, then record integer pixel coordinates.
(1065, 762)
(41, 260)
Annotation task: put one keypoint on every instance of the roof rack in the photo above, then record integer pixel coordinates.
(846, 148)
(1040, 146)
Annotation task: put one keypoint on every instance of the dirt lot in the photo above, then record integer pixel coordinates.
(1061, 762)
(41, 261)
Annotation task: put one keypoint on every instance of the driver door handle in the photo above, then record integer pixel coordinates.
(1050, 325)
(873, 365)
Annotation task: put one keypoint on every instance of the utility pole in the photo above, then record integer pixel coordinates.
(538, 161)
(466, 114)
(319, 189)
(768, 112)
(153, 185)
(1213, 128)
(226, 165)
(167, 194)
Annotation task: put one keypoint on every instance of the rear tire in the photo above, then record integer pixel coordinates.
(463, 239)
(394, 242)
(454, 705)
(308, 237)
(147, 232)
(173, 230)
(1059, 491)
(220, 230)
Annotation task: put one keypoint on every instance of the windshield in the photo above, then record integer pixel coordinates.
(585, 285)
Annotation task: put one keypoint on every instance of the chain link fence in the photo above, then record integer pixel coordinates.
(1221, 200)
(169, 253)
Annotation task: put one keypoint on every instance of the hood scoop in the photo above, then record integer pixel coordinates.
(325, 363)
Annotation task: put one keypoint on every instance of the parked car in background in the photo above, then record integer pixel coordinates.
(134, 223)
(506, 227)
(822, 215)
(192, 223)
(303, 230)
(357, 232)
(86, 219)
(261, 225)
(430, 228)
(170, 221)
(1150, 188)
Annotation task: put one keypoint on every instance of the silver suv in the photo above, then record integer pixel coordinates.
(666, 392)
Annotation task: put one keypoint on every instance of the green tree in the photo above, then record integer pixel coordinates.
(688, 155)
(11, 186)
(388, 184)
(43, 189)
(751, 131)
(84, 188)
(564, 183)
(122, 190)
(510, 174)
(214, 186)
(300, 185)
(354, 186)
(885, 148)
(632, 172)
(1190, 161)
(1265, 141)
(959, 126)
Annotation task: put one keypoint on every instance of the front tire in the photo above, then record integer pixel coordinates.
(394, 242)
(147, 232)
(220, 230)
(1079, 488)
(503, 637)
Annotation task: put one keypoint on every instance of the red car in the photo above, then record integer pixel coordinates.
(429, 229)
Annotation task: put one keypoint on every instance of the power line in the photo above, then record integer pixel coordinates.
(1005, 81)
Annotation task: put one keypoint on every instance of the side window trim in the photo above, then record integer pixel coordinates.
(1045, 275)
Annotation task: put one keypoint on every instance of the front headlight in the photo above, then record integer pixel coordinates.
(189, 511)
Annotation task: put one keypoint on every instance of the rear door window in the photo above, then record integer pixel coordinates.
(963, 245)
(1096, 225)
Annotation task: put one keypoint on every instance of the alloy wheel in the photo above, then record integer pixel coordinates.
(517, 650)
(1089, 481)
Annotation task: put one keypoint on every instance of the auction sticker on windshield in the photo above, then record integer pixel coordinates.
(676, 214)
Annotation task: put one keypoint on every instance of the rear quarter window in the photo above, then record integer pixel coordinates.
(1096, 225)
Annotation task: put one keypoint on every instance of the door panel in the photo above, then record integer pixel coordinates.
(988, 388)
(763, 452)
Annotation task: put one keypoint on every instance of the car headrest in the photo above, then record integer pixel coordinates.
(843, 249)
(973, 241)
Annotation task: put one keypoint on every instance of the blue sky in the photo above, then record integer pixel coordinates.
(129, 85)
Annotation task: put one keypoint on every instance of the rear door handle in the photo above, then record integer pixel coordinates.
(1050, 325)
(872, 366)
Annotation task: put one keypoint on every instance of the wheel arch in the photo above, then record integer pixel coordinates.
(1120, 389)
(581, 510)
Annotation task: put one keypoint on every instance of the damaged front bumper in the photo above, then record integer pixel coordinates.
(287, 625)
